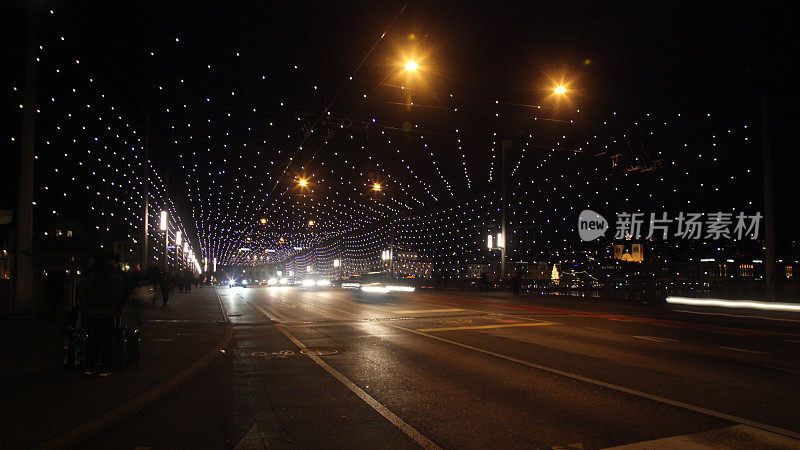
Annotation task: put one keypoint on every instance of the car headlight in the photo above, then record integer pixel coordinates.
(309, 283)
(273, 281)
(284, 281)
(323, 282)
(375, 289)
(401, 288)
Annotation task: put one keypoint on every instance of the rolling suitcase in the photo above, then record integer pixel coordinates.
(75, 349)
(126, 344)
(75, 338)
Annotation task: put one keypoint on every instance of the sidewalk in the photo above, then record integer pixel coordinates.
(41, 401)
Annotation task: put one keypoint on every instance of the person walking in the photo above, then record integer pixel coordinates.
(153, 276)
(166, 284)
(101, 296)
(188, 280)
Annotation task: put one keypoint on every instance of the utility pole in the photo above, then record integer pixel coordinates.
(25, 299)
(769, 216)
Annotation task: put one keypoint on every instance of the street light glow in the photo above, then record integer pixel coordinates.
(303, 182)
(163, 224)
(376, 187)
(411, 66)
(560, 90)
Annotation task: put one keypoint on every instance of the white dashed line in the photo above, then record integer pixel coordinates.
(656, 339)
(735, 349)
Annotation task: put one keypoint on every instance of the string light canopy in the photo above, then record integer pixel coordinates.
(254, 155)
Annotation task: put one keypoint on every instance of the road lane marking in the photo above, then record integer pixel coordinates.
(418, 299)
(600, 329)
(733, 436)
(418, 437)
(620, 318)
(735, 349)
(420, 311)
(260, 309)
(656, 398)
(254, 439)
(656, 339)
(486, 327)
(738, 316)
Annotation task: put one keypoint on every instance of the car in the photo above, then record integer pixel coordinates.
(380, 290)
(275, 281)
(314, 283)
(234, 282)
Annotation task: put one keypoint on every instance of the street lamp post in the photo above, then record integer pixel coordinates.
(163, 227)
(387, 257)
(498, 244)
(178, 255)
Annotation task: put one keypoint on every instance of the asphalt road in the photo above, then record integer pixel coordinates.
(468, 370)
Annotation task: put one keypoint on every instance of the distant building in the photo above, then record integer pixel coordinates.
(477, 270)
(629, 251)
(408, 263)
(540, 271)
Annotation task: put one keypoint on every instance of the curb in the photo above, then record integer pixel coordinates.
(102, 423)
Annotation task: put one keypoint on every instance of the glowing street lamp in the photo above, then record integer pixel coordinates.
(263, 221)
(560, 90)
(337, 263)
(376, 187)
(498, 244)
(178, 240)
(493, 243)
(411, 66)
(163, 227)
(302, 182)
(311, 223)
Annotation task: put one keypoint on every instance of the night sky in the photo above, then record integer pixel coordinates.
(485, 68)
